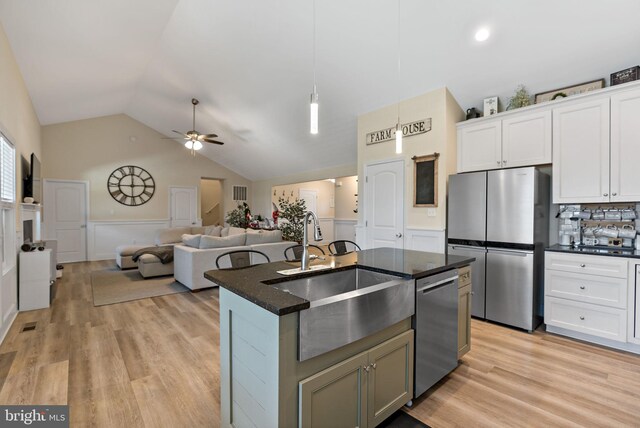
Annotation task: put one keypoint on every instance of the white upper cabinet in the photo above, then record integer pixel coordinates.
(625, 147)
(480, 146)
(518, 140)
(526, 139)
(581, 152)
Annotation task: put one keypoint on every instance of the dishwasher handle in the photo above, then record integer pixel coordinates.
(443, 282)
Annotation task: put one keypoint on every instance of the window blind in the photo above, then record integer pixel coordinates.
(7, 171)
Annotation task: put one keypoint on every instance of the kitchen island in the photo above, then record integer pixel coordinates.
(362, 370)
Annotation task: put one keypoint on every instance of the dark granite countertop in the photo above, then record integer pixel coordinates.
(249, 282)
(596, 251)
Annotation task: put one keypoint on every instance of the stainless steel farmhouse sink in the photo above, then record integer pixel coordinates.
(346, 306)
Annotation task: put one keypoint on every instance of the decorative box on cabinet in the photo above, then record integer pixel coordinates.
(34, 279)
(361, 391)
(464, 310)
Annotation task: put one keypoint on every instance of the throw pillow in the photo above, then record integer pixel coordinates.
(215, 242)
(263, 236)
(191, 240)
(236, 231)
(171, 235)
(212, 230)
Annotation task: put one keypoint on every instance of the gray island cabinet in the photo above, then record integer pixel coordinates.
(264, 381)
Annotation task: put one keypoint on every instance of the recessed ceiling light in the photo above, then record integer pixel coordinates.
(482, 34)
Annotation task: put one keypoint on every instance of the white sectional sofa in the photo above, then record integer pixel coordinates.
(192, 258)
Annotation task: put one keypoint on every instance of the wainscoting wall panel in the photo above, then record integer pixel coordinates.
(345, 229)
(425, 240)
(104, 236)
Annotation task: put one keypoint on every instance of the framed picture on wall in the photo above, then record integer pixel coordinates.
(425, 180)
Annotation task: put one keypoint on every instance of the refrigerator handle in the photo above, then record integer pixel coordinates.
(522, 253)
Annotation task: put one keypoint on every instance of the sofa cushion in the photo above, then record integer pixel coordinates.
(197, 230)
(171, 235)
(236, 231)
(219, 242)
(263, 236)
(191, 240)
(212, 230)
(224, 232)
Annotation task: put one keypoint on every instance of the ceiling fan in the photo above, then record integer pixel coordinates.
(193, 138)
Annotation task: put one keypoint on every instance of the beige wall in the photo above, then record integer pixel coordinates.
(324, 189)
(262, 190)
(91, 149)
(211, 204)
(346, 190)
(442, 108)
(18, 120)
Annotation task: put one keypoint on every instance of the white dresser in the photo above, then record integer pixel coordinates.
(592, 298)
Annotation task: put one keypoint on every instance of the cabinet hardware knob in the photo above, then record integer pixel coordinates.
(581, 317)
(472, 293)
(373, 366)
(582, 287)
(582, 265)
(606, 194)
(398, 235)
(498, 162)
(614, 194)
(366, 368)
(504, 161)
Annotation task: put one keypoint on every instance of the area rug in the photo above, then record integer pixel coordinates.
(116, 286)
(401, 419)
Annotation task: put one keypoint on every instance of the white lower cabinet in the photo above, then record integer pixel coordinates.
(596, 320)
(592, 298)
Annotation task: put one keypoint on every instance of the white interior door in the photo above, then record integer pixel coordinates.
(310, 198)
(384, 204)
(183, 203)
(65, 218)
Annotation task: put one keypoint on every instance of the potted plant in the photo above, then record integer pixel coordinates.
(293, 213)
(239, 217)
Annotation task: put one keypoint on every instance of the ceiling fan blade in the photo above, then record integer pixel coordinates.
(209, 135)
(178, 132)
(209, 140)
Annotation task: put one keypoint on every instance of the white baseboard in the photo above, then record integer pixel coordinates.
(104, 236)
(623, 346)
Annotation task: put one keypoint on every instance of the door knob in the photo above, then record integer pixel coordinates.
(398, 235)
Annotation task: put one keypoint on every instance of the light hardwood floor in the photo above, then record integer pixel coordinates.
(154, 363)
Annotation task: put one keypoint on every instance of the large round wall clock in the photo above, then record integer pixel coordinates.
(131, 185)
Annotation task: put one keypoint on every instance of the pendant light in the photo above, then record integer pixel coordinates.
(313, 106)
(398, 124)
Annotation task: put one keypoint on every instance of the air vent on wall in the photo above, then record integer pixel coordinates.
(239, 193)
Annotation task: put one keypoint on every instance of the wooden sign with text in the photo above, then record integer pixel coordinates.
(408, 130)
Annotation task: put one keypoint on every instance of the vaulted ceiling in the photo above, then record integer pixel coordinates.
(250, 63)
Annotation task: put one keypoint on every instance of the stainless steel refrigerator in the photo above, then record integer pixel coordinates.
(501, 218)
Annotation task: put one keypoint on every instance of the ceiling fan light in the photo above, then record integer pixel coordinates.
(197, 145)
(188, 144)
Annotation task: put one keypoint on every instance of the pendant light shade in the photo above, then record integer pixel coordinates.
(197, 145)
(398, 137)
(313, 109)
(188, 144)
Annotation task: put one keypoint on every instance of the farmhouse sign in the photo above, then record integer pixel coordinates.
(408, 130)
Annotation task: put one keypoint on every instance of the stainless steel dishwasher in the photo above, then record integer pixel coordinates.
(436, 329)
